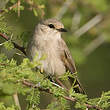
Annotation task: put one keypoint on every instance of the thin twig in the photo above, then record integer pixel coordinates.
(75, 21)
(60, 83)
(3, 64)
(57, 85)
(16, 99)
(91, 23)
(22, 49)
(26, 83)
(13, 6)
(93, 107)
(94, 44)
(33, 5)
(10, 8)
(4, 36)
(18, 4)
(63, 9)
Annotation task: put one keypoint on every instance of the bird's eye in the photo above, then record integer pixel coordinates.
(51, 26)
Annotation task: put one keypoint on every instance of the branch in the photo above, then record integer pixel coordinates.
(28, 84)
(76, 19)
(33, 5)
(18, 5)
(22, 49)
(63, 9)
(94, 44)
(16, 99)
(93, 107)
(94, 21)
(10, 8)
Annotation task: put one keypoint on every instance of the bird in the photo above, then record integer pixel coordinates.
(47, 39)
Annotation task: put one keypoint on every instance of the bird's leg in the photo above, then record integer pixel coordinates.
(50, 78)
(42, 70)
(56, 82)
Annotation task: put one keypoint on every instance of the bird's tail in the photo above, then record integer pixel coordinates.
(75, 83)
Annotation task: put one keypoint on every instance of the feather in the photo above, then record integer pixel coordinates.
(68, 61)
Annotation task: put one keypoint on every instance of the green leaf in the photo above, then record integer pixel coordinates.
(8, 45)
(35, 12)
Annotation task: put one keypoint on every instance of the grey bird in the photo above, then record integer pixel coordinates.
(47, 41)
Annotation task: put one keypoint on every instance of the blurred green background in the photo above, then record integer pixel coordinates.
(88, 37)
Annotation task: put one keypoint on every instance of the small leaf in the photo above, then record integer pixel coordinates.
(8, 45)
(35, 12)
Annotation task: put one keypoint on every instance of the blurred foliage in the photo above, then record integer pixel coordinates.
(18, 19)
(12, 77)
(3, 26)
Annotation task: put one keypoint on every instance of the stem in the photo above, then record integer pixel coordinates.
(91, 23)
(22, 49)
(26, 83)
(94, 44)
(18, 4)
(16, 100)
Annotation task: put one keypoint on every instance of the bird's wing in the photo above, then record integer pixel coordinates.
(66, 57)
(68, 61)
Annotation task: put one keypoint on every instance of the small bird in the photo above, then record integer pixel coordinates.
(47, 41)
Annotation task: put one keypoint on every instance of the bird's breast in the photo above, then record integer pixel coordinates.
(52, 64)
(49, 47)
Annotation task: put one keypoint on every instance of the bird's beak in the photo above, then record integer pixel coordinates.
(62, 30)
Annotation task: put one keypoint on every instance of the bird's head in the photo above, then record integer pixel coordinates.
(52, 25)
